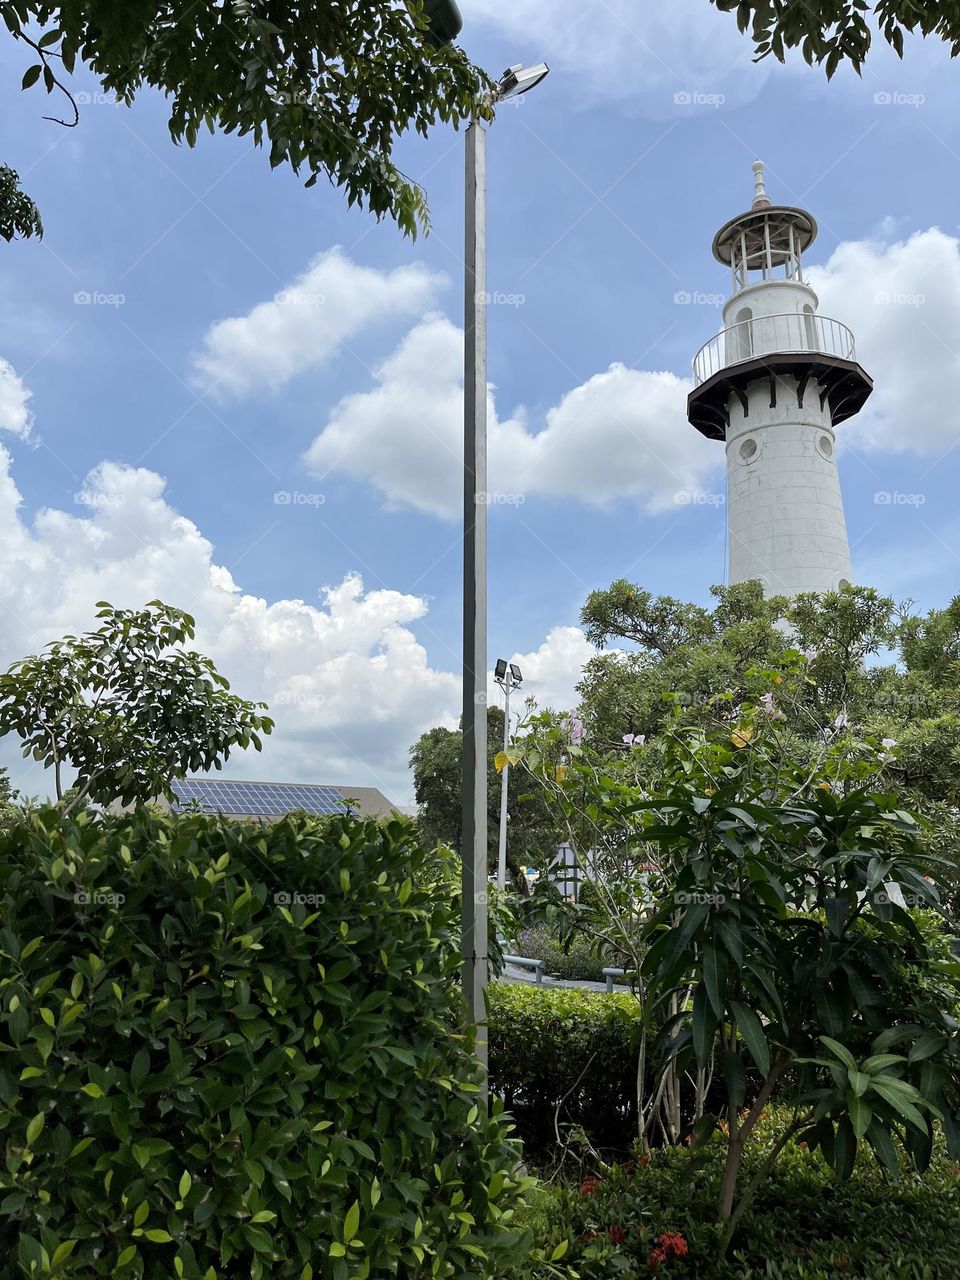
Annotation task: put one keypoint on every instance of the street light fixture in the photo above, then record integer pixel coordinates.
(474, 825)
(444, 21)
(508, 680)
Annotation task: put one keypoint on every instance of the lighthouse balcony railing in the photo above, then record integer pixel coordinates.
(772, 335)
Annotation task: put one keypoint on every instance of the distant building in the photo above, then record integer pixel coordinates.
(271, 800)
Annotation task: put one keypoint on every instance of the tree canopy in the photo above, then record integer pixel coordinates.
(325, 88)
(829, 32)
(126, 706)
(436, 759)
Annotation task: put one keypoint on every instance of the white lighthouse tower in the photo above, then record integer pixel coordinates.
(773, 384)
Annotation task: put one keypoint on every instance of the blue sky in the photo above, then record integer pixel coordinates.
(249, 339)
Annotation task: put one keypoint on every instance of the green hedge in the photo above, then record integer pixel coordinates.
(577, 962)
(204, 1075)
(562, 1047)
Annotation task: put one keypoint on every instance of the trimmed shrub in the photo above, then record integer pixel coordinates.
(230, 1051)
(646, 1218)
(559, 1047)
(576, 962)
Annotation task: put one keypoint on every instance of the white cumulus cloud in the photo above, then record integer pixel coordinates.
(15, 415)
(307, 323)
(348, 681)
(902, 301)
(622, 434)
(632, 54)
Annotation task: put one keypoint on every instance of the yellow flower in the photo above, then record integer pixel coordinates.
(561, 772)
(742, 736)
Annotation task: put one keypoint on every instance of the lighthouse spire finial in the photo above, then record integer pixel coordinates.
(760, 200)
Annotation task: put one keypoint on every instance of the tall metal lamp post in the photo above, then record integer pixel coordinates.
(508, 677)
(514, 81)
(444, 25)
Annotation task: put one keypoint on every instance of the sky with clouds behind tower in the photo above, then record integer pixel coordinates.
(242, 397)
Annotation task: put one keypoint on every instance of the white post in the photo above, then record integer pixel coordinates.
(504, 784)
(474, 825)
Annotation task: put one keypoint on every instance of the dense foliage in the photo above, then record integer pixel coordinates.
(831, 31)
(127, 707)
(645, 1218)
(892, 673)
(231, 1050)
(19, 216)
(327, 87)
(437, 763)
(573, 958)
(561, 1057)
(768, 893)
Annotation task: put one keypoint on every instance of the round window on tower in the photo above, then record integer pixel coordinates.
(825, 447)
(749, 450)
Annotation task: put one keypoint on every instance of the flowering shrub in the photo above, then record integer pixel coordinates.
(776, 949)
(645, 1219)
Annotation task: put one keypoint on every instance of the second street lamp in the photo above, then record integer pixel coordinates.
(508, 677)
(515, 80)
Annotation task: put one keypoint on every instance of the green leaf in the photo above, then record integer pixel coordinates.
(860, 1114)
(927, 1045)
(704, 1026)
(840, 1051)
(899, 1102)
(734, 1077)
(715, 970)
(351, 1222)
(35, 1128)
(845, 1149)
(751, 1029)
(31, 76)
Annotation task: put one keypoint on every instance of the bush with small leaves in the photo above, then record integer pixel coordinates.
(231, 1050)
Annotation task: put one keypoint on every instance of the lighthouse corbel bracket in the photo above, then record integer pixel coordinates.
(845, 385)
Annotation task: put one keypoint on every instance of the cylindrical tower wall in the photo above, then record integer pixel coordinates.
(785, 521)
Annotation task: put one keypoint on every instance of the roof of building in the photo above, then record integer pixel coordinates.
(251, 799)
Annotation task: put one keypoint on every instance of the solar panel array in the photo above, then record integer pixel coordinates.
(257, 799)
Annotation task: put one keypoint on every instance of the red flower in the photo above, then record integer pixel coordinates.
(589, 1187)
(617, 1234)
(670, 1243)
(644, 1161)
